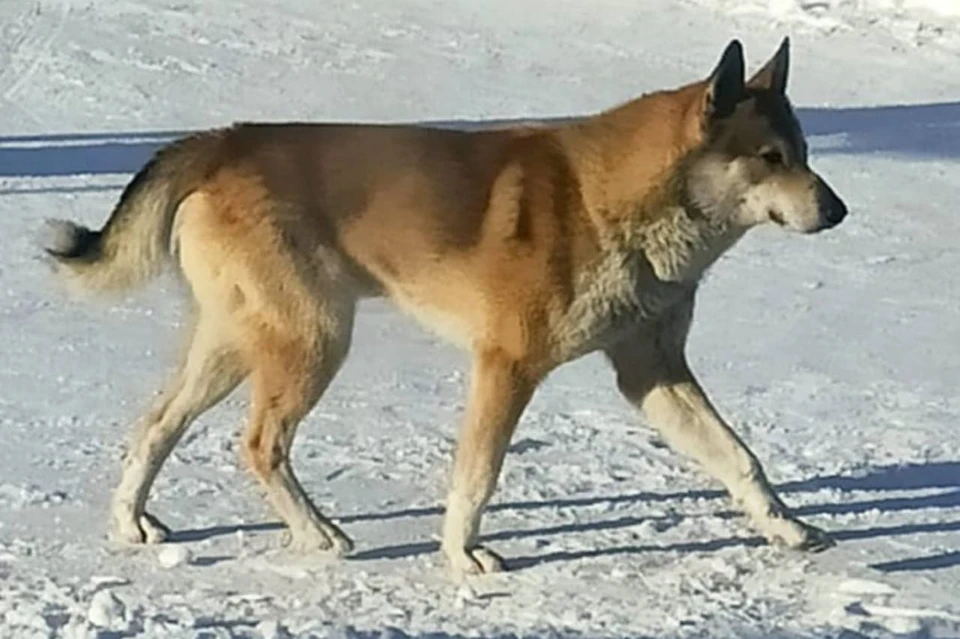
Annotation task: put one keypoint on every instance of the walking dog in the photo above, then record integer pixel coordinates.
(529, 246)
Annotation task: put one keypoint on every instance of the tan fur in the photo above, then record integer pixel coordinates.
(528, 246)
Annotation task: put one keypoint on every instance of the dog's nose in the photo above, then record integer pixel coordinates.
(832, 208)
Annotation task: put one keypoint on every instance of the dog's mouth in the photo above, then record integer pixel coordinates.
(776, 217)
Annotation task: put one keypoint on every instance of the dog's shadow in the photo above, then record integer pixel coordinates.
(938, 481)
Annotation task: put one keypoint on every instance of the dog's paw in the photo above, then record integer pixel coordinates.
(476, 561)
(815, 540)
(154, 532)
(797, 535)
(146, 530)
(312, 540)
(342, 544)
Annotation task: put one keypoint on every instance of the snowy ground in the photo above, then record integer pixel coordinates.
(840, 365)
(915, 23)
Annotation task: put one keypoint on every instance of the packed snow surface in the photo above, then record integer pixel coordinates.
(837, 357)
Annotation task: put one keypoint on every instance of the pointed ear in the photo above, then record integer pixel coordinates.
(773, 75)
(725, 85)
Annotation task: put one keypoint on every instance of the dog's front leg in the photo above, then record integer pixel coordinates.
(500, 390)
(653, 374)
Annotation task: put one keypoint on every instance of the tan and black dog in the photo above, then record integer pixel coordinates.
(529, 246)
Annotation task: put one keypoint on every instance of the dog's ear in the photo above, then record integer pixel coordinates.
(725, 86)
(773, 75)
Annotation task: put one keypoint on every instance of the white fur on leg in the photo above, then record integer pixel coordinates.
(459, 545)
(692, 426)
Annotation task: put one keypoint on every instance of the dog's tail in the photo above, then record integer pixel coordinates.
(134, 244)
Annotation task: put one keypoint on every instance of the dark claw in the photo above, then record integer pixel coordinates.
(818, 541)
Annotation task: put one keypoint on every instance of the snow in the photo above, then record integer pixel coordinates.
(918, 23)
(171, 556)
(839, 365)
(106, 610)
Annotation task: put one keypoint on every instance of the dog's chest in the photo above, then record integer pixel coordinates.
(619, 293)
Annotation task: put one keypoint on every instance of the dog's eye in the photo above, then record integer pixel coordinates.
(773, 157)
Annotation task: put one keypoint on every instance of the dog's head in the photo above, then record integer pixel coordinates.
(752, 166)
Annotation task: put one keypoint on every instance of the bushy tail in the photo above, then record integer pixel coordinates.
(134, 244)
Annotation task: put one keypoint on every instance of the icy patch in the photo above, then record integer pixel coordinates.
(106, 611)
(867, 605)
(865, 587)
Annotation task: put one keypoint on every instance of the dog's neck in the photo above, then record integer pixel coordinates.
(633, 158)
(681, 243)
(678, 232)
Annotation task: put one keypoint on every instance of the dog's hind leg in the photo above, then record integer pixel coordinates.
(293, 363)
(653, 374)
(211, 369)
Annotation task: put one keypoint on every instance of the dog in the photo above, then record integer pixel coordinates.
(527, 245)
